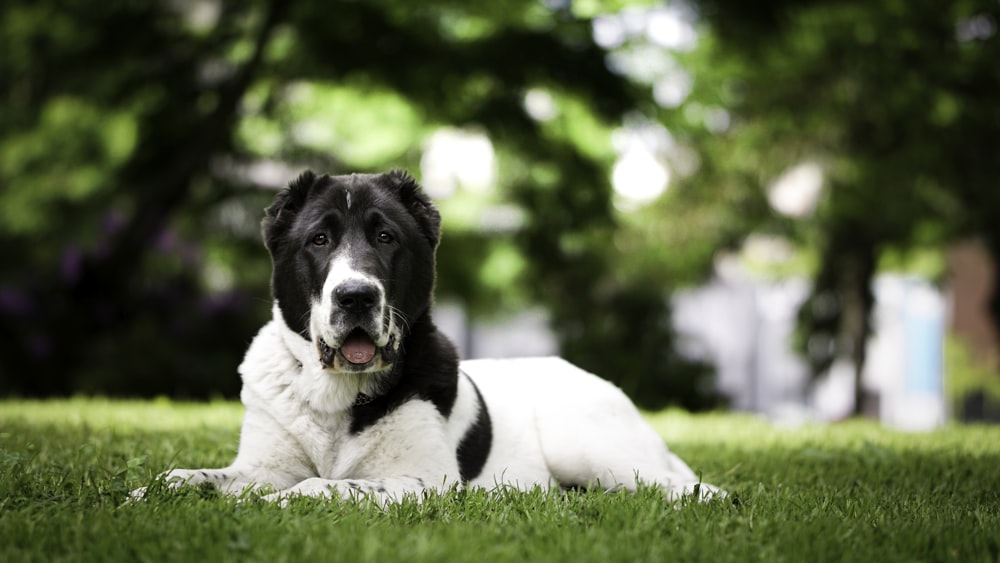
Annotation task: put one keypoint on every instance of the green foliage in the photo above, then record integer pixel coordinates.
(968, 375)
(140, 171)
(851, 491)
(132, 132)
(364, 125)
(893, 99)
(67, 159)
(140, 141)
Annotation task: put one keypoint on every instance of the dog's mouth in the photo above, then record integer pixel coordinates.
(357, 352)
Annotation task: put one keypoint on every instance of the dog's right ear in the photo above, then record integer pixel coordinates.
(278, 217)
(418, 204)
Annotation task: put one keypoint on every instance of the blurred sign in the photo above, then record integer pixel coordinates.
(917, 401)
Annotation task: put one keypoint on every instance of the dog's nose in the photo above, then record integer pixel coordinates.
(356, 296)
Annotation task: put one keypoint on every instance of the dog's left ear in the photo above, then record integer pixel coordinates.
(418, 204)
(278, 217)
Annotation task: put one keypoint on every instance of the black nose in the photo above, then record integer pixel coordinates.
(356, 296)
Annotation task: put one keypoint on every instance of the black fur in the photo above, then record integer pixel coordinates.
(427, 369)
(314, 204)
(477, 442)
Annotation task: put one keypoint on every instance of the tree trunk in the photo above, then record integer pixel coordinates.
(858, 302)
(841, 304)
(207, 136)
(992, 240)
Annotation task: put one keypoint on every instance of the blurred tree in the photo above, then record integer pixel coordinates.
(896, 100)
(137, 140)
(113, 112)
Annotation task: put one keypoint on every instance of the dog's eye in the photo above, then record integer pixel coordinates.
(384, 237)
(320, 240)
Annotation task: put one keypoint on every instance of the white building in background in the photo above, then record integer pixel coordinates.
(744, 326)
(524, 334)
(906, 355)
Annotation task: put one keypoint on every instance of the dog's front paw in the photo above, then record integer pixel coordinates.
(701, 492)
(172, 479)
(705, 492)
(178, 477)
(352, 490)
(312, 487)
(136, 495)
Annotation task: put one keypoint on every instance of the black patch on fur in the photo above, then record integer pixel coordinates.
(477, 442)
(427, 369)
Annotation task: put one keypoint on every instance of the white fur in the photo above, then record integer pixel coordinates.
(555, 423)
(552, 423)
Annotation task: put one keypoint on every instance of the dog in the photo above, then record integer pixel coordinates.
(351, 391)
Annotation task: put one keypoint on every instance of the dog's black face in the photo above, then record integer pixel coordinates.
(353, 264)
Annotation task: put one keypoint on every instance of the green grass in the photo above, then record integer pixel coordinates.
(848, 492)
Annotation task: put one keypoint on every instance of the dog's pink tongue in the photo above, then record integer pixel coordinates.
(358, 348)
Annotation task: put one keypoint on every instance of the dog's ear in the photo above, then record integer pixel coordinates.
(278, 217)
(418, 204)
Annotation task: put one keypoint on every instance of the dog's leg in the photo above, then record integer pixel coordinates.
(232, 480)
(600, 439)
(610, 466)
(268, 457)
(226, 479)
(675, 487)
(406, 453)
(383, 491)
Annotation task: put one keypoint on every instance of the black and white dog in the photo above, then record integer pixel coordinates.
(351, 390)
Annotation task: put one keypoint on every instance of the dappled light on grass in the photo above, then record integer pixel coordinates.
(755, 432)
(124, 416)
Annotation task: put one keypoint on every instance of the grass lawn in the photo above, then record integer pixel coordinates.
(847, 492)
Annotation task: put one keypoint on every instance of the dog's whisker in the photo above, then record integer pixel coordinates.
(397, 316)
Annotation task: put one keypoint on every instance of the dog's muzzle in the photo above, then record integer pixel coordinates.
(358, 352)
(361, 340)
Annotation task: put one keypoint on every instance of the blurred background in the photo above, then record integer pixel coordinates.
(780, 207)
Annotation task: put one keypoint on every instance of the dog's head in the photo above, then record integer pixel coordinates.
(353, 261)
